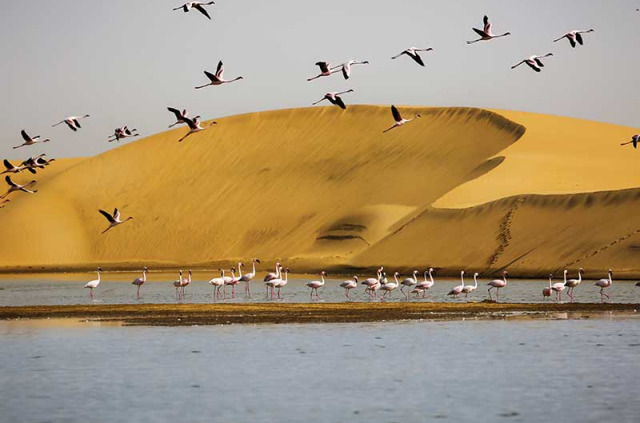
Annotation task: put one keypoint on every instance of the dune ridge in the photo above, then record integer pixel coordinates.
(324, 188)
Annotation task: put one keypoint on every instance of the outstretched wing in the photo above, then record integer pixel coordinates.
(340, 103)
(346, 72)
(324, 66)
(572, 41)
(539, 62)
(175, 112)
(116, 214)
(8, 164)
(487, 24)
(415, 56)
(211, 76)
(77, 123)
(9, 181)
(579, 38)
(202, 10)
(396, 114)
(24, 135)
(532, 66)
(107, 215)
(480, 32)
(220, 70)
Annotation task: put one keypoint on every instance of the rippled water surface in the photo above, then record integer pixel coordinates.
(473, 371)
(116, 289)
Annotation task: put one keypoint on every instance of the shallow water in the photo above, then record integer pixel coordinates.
(115, 288)
(519, 371)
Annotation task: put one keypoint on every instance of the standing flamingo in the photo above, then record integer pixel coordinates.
(373, 284)
(572, 283)
(233, 282)
(424, 286)
(93, 284)
(605, 283)
(217, 283)
(498, 283)
(457, 290)
(185, 282)
(325, 70)
(29, 140)
(140, 281)
(177, 284)
(470, 288)
(248, 277)
(546, 291)
(271, 276)
(314, 285)
(279, 283)
(413, 53)
(634, 140)
(218, 78)
(558, 287)
(533, 62)
(334, 98)
(349, 285)
(390, 286)
(399, 121)
(273, 281)
(72, 122)
(409, 282)
(574, 36)
(485, 33)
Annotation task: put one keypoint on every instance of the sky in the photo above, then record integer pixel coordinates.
(125, 61)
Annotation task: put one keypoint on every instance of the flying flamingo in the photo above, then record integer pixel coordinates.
(574, 36)
(123, 132)
(180, 116)
(334, 99)
(572, 283)
(605, 283)
(37, 162)
(413, 53)
(11, 168)
(15, 187)
(399, 121)
(424, 286)
(409, 282)
(177, 284)
(72, 122)
(195, 126)
(634, 140)
(29, 140)
(247, 277)
(457, 290)
(546, 291)
(93, 284)
(199, 6)
(218, 78)
(470, 288)
(390, 286)
(533, 62)
(349, 285)
(140, 281)
(325, 70)
(485, 33)
(498, 283)
(558, 287)
(217, 283)
(346, 67)
(314, 285)
(114, 220)
(279, 283)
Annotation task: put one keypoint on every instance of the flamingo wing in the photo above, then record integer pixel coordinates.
(579, 38)
(75, 121)
(572, 41)
(202, 10)
(539, 62)
(324, 66)
(415, 56)
(25, 136)
(346, 72)
(487, 24)
(480, 32)
(532, 66)
(396, 114)
(8, 164)
(116, 214)
(107, 215)
(338, 102)
(175, 112)
(220, 70)
(211, 76)
(9, 181)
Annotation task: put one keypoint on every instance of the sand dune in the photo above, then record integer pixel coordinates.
(324, 188)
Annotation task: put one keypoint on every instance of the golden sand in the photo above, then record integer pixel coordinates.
(325, 188)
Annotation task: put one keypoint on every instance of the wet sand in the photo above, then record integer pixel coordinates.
(217, 314)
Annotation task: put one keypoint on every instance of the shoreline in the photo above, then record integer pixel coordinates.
(268, 313)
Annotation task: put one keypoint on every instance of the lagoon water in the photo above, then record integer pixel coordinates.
(469, 371)
(115, 288)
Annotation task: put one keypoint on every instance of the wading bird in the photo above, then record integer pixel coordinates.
(634, 140)
(399, 120)
(114, 220)
(498, 283)
(470, 288)
(29, 140)
(217, 283)
(373, 284)
(314, 285)
(346, 67)
(233, 281)
(185, 282)
(248, 277)
(409, 282)
(72, 122)
(413, 53)
(574, 36)
(605, 283)
(334, 99)
(533, 62)
(139, 281)
(195, 126)
(218, 78)
(325, 70)
(123, 132)
(572, 283)
(177, 283)
(93, 284)
(424, 286)
(279, 283)
(270, 282)
(485, 33)
(180, 116)
(457, 290)
(348, 285)
(15, 187)
(546, 291)
(390, 286)
(558, 287)
(199, 6)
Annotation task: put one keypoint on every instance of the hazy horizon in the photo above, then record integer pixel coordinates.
(125, 62)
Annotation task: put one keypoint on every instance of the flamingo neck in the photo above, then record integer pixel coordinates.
(144, 276)
(475, 281)
(239, 270)
(254, 267)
